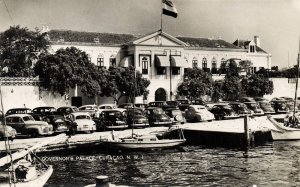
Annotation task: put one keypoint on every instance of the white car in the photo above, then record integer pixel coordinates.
(82, 121)
(197, 113)
(91, 109)
(104, 107)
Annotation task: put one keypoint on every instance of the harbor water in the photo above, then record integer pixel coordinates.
(273, 164)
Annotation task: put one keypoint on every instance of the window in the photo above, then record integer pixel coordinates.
(195, 62)
(145, 66)
(100, 60)
(252, 48)
(214, 65)
(112, 62)
(161, 70)
(204, 63)
(175, 70)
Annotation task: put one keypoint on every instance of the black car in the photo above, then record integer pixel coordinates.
(110, 120)
(18, 111)
(240, 108)
(163, 104)
(280, 106)
(183, 104)
(59, 123)
(223, 111)
(135, 118)
(157, 117)
(39, 112)
(176, 115)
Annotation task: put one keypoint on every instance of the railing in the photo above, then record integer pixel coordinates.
(19, 81)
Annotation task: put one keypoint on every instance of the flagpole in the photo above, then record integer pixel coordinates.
(161, 15)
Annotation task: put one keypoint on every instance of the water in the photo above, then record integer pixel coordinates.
(274, 164)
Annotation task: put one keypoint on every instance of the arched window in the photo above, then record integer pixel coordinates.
(204, 63)
(112, 61)
(145, 62)
(223, 66)
(223, 62)
(214, 65)
(100, 60)
(195, 62)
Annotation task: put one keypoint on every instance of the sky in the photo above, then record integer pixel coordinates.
(276, 22)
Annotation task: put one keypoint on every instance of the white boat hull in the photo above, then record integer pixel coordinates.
(146, 145)
(281, 132)
(37, 182)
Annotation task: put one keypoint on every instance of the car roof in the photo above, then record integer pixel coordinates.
(18, 115)
(80, 113)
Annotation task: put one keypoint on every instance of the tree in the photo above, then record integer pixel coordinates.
(19, 48)
(245, 65)
(217, 91)
(232, 85)
(129, 82)
(70, 67)
(196, 83)
(257, 85)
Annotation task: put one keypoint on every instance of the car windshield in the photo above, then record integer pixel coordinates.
(158, 111)
(136, 112)
(183, 102)
(265, 104)
(172, 103)
(83, 117)
(28, 118)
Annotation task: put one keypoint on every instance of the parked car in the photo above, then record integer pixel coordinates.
(157, 117)
(261, 99)
(199, 102)
(266, 107)
(135, 118)
(176, 115)
(7, 132)
(58, 122)
(39, 112)
(111, 120)
(126, 105)
(240, 108)
(163, 104)
(183, 104)
(66, 110)
(25, 124)
(197, 113)
(91, 109)
(279, 106)
(141, 105)
(223, 111)
(18, 111)
(106, 107)
(255, 108)
(247, 99)
(81, 122)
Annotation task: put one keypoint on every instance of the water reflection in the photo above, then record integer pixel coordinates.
(274, 164)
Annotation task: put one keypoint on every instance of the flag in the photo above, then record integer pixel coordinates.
(169, 8)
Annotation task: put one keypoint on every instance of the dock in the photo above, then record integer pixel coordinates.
(225, 133)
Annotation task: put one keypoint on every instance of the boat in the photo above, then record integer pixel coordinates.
(280, 130)
(148, 141)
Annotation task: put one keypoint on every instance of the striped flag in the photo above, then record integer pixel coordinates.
(169, 8)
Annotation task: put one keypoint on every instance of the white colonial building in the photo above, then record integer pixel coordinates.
(160, 57)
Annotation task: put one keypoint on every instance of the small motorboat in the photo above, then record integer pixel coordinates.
(148, 141)
(281, 130)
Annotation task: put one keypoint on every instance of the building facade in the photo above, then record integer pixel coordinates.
(160, 57)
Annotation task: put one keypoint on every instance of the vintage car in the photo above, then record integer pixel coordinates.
(261, 99)
(7, 132)
(266, 107)
(197, 113)
(135, 118)
(66, 110)
(126, 105)
(255, 108)
(175, 115)
(223, 111)
(18, 111)
(81, 122)
(199, 102)
(39, 112)
(280, 106)
(141, 105)
(164, 104)
(111, 120)
(25, 124)
(106, 107)
(183, 104)
(58, 122)
(91, 109)
(240, 108)
(247, 99)
(157, 117)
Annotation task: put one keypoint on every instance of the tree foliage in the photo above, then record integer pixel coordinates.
(70, 67)
(129, 82)
(257, 85)
(196, 83)
(217, 91)
(19, 48)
